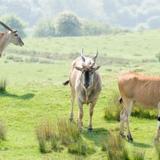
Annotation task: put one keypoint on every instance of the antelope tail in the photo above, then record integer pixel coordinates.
(66, 83)
(120, 100)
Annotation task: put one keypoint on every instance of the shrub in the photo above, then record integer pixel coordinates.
(115, 147)
(95, 28)
(14, 22)
(138, 155)
(44, 29)
(68, 24)
(3, 85)
(47, 137)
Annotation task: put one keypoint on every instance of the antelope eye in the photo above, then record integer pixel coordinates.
(16, 35)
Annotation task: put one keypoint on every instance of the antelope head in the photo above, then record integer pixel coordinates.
(13, 35)
(88, 70)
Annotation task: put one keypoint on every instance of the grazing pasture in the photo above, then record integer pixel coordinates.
(34, 93)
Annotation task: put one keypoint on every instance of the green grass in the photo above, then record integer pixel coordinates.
(34, 92)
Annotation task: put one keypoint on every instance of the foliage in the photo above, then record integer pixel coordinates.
(95, 28)
(68, 24)
(15, 23)
(44, 29)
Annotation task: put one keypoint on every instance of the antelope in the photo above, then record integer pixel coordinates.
(9, 36)
(85, 84)
(139, 88)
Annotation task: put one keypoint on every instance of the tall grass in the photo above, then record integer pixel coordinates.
(3, 85)
(3, 131)
(157, 148)
(47, 137)
(68, 132)
(113, 108)
(80, 148)
(52, 137)
(115, 147)
(139, 155)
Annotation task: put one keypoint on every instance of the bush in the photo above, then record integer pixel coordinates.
(68, 24)
(95, 28)
(44, 29)
(15, 23)
(115, 147)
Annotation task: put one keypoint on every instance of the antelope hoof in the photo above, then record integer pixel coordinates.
(129, 137)
(90, 129)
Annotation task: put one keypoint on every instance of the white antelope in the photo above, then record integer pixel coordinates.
(136, 87)
(7, 37)
(85, 84)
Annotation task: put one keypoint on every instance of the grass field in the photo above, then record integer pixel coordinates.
(35, 91)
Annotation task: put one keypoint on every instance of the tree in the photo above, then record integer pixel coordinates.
(68, 24)
(44, 29)
(14, 22)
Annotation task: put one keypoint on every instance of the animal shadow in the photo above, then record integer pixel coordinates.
(97, 135)
(141, 145)
(23, 97)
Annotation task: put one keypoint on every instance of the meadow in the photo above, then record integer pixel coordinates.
(34, 93)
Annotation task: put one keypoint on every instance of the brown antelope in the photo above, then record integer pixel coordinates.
(10, 36)
(85, 84)
(145, 90)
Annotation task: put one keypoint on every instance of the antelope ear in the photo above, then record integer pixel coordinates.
(78, 68)
(96, 68)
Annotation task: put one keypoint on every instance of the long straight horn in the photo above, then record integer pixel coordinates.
(5, 26)
(95, 57)
(83, 58)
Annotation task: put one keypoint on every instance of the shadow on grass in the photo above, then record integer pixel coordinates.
(23, 97)
(141, 145)
(97, 135)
